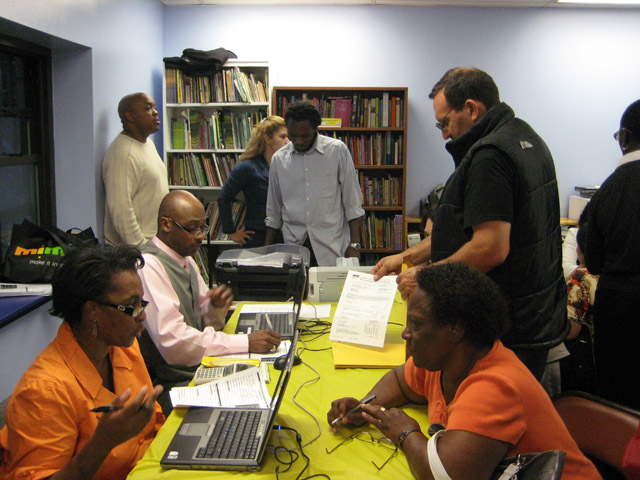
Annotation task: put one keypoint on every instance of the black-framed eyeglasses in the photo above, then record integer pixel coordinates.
(204, 229)
(131, 310)
(616, 135)
(444, 121)
(369, 438)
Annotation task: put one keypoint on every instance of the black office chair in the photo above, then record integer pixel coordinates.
(602, 429)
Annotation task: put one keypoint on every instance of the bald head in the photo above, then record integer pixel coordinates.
(176, 202)
(138, 115)
(181, 218)
(127, 103)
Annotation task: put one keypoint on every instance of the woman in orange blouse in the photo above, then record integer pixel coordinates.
(51, 430)
(487, 400)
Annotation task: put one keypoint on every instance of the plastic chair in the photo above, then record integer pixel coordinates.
(602, 429)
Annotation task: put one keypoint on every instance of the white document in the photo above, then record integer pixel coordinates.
(24, 289)
(363, 310)
(307, 311)
(241, 389)
(269, 357)
(268, 260)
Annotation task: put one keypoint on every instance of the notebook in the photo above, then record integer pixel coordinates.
(227, 438)
(283, 323)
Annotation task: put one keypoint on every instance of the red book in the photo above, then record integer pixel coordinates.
(343, 110)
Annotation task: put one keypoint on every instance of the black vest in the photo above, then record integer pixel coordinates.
(531, 277)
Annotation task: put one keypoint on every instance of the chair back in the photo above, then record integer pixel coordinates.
(602, 429)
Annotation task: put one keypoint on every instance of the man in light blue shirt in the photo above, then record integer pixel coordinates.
(314, 195)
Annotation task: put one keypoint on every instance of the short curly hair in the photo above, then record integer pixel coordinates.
(301, 111)
(87, 274)
(463, 295)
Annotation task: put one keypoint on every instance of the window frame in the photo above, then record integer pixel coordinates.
(40, 113)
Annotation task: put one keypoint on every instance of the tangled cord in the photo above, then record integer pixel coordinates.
(293, 457)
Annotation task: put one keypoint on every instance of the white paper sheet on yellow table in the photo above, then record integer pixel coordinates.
(241, 389)
(363, 310)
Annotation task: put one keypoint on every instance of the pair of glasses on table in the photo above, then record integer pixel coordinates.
(369, 438)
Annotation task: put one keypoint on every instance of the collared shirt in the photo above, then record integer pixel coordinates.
(629, 157)
(176, 341)
(315, 194)
(49, 419)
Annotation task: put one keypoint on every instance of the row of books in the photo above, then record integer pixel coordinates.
(382, 231)
(201, 257)
(200, 169)
(221, 130)
(361, 110)
(381, 148)
(228, 85)
(212, 213)
(381, 191)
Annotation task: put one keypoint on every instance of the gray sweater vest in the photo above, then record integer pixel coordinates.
(185, 284)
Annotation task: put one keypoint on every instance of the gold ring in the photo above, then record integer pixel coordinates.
(382, 409)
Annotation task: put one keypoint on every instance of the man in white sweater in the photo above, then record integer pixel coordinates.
(134, 175)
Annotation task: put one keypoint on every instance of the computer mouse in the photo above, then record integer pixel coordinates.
(281, 361)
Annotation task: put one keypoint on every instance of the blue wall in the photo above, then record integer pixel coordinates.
(565, 71)
(102, 50)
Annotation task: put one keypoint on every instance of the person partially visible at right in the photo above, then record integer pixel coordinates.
(613, 240)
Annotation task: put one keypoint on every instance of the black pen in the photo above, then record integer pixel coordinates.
(106, 408)
(354, 409)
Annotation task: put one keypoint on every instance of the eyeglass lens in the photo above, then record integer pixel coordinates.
(367, 437)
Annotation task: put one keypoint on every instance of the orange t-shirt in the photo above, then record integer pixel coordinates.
(501, 399)
(49, 419)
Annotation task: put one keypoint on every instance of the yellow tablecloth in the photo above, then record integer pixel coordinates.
(350, 461)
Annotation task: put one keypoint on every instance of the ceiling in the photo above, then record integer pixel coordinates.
(466, 3)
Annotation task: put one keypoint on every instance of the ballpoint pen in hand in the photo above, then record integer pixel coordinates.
(354, 409)
(106, 408)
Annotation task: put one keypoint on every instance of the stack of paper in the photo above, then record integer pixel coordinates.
(241, 389)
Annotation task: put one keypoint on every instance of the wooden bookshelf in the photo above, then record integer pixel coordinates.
(373, 125)
(207, 124)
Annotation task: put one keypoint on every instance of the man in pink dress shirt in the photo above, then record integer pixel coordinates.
(185, 318)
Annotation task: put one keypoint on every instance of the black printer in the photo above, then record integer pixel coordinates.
(273, 273)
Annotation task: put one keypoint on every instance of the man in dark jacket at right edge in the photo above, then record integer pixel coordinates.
(499, 212)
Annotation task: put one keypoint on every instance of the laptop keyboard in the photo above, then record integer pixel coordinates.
(279, 321)
(234, 435)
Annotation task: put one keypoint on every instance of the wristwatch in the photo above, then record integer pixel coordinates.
(404, 435)
(357, 246)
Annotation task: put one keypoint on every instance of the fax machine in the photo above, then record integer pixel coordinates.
(270, 273)
(325, 283)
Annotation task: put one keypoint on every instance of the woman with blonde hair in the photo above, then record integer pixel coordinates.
(251, 177)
